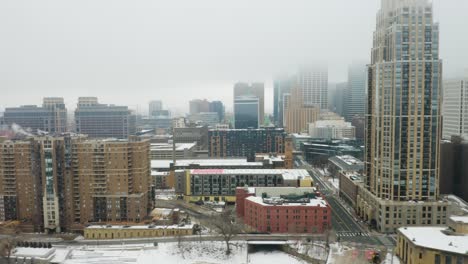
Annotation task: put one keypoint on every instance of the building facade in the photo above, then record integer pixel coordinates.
(246, 112)
(281, 86)
(313, 84)
(454, 168)
(297, 114)
(283, 209)
(332, 129)
(217, 107)
(252, 90)
(154, 107)
(355, 102)
(103, 121)
(142, 231)
(245, 142)
(198, 105)
(455, 109)
(403, 119)
(51, 117)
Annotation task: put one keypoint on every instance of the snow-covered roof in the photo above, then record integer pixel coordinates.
(159, 173)
(168, 146)
(435, 238)
(287, 174)
(139, 227)
(463, 219)
(317, 202)
(28, 252)
(204, 162)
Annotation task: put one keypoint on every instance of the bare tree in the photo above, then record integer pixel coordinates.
(6, 247)
(226, 226)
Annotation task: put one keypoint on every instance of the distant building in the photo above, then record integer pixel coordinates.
(297, 115)
(332, 129)
(197, 105)
(455, 108)
(179, 122)
(217, 107)
(50, 118)
(221, 184)
(426, 244)
(205, 118)
(349, 171)
(315, 149)
(154, 107)
(103, 121)
(313, 84)
(246, 112)
(355, 96)
(252, 90)
(245, 142)
(283, 209)
(281, 86)
(359, 123)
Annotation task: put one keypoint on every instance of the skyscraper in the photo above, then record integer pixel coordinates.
(254, 89)
(455, 108)
(355, 103)
(197, 106)
(101, 121)
(217, 107)
(246, 112)
(403, 119)
(313, 82)
(51, 117)
(297, 115)
(281, 87)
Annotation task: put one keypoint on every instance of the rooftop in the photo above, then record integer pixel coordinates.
(204, 162)
(276, 201)
(168, 146)
(139, 227)
(350, 160)
(436, 238)
(287, 174)
(463, 219)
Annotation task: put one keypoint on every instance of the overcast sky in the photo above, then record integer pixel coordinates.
(131, 52)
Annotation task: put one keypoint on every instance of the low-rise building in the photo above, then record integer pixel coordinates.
(440, 245)
(323, 149)
(221, 184)
(161, 180)
(332, 129)
(135, 231)
(283, 209)
(161, 151)
(345, 163)
(349, 185)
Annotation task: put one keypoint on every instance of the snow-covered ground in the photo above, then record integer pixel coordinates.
(335, 182)
(173, 253)
(390, 260)
(314, 250)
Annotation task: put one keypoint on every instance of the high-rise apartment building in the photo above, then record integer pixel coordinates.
(455, 108)
(154, 107)
(355, 102)
(313, 83)
(51, 117)
(111, 180)
(252, 90)
(246, 112)
(281, 87)
(245, 142)
(403, 120)
(103, 121)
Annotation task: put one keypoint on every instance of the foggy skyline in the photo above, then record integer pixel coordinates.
(130, 53)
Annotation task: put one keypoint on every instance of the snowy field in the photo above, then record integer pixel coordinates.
(173, 253)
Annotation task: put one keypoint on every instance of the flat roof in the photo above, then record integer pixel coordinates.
(168, 146)
(463, 219)
(204, 162)
(159, 173)
(317, 202)
(287, 174)
(139, 227)
(350, 160)
(435, 238)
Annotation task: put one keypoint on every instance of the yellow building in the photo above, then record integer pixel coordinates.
(438, 245)
(140, 231)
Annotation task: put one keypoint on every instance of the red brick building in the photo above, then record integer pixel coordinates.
(283, 209)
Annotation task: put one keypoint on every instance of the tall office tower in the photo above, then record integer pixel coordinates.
(355, 102)
(103, 121)
(198, 106)
(224, 143)
(154, 107)
(281, 87)
(455, 108)
(403, 120)
(217, 107)
(111, 180)
(51, 117)
(246, 112)
(254, 89)
(20, 181)
(313, 82)
(339, 98)
(297, 116)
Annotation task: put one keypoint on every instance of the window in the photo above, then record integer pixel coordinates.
(437, 259)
